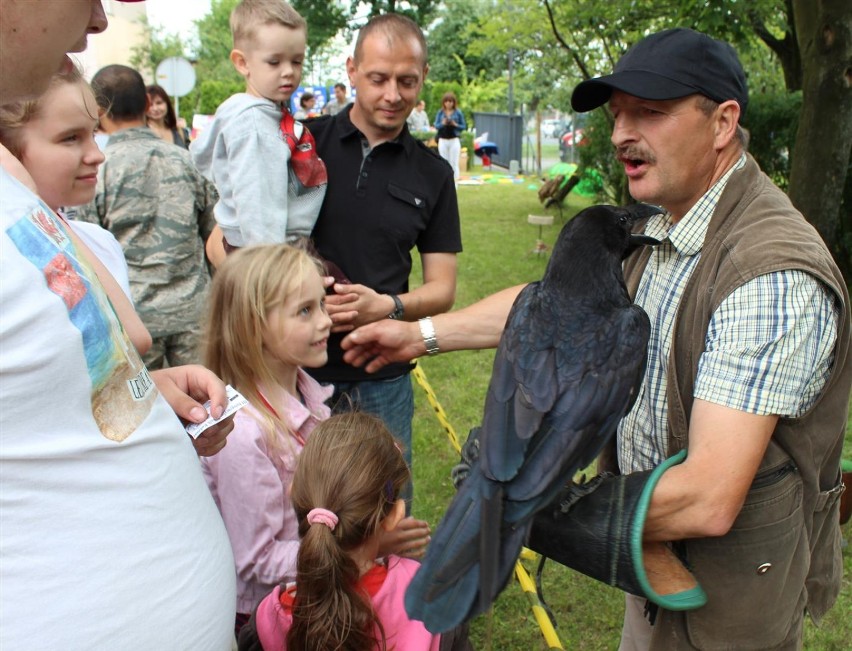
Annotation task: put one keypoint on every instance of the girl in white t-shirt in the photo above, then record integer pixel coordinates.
(53, 151)
(267, 320)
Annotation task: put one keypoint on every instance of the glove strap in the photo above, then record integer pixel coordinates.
(685, 600)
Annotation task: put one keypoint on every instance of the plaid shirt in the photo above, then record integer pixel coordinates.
(769, 345)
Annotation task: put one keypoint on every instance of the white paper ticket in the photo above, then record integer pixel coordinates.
(235, 401)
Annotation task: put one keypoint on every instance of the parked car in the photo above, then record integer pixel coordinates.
(568, 140)
(552, 128)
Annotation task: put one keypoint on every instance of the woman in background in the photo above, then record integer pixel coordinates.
(161, 117)
(450, 123)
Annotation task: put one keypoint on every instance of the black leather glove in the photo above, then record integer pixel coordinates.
(596, 529)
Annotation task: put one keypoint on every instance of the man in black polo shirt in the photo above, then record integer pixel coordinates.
(387, 193)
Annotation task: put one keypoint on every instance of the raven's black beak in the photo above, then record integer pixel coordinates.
(638, 239)
(643, 211)
(640, 212)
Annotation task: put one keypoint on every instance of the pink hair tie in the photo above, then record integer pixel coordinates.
(322, 516)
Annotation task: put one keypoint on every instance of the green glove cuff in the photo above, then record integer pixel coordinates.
(686, 600)
(596, 528)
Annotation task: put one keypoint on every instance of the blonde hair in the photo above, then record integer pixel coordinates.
(352, 466)
(248, 15)
(246, 288)
(15, 115)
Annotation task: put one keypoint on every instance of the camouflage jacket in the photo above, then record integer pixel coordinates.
(160, 208)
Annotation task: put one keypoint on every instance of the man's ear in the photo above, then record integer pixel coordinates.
(350, 71)
(238, 58)
(392, 519)
(727, 117)
(107, 124)
(425, 71)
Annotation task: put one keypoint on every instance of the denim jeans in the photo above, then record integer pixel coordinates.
(392, 400)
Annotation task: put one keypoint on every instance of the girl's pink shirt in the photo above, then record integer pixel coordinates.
(250, 482)
(274, 620)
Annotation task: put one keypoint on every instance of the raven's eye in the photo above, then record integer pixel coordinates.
(623, 219)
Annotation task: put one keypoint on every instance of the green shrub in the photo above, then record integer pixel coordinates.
(211, 93)
(771, 120)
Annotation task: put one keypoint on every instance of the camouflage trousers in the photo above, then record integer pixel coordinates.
(174, 350)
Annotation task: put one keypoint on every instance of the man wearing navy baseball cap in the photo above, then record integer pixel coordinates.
(109, 536)
(748, 367)
(748, 371)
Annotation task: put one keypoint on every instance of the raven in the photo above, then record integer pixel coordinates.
(567, 369)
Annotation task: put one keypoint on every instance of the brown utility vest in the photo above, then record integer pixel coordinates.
(782, 554)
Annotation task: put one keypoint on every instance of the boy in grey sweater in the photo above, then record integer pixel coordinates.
(254, 138)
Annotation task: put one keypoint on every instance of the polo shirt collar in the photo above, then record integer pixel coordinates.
(345, 129)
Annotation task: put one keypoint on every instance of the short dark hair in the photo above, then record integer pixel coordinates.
(394, 26)
(340, 85)
(305, 97)
(120, 91)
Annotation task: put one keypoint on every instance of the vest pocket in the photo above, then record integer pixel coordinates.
(826, 569)
(754, 575)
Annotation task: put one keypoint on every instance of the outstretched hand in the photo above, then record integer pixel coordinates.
(383, 342)
(186, 388)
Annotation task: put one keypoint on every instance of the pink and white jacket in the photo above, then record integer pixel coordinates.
(250, 483)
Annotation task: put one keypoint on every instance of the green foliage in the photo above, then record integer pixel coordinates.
(325, 19)
(598, 155)
(772, 120)
(212, 93)
(420, 11)
(155, 46)
(450, 38)
(215, 44)
(497, 243)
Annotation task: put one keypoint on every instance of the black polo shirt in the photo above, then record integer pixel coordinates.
(377, 208)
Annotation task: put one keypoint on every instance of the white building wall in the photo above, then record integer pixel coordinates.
(115, 45)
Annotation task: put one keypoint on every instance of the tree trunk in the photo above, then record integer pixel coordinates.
(824, 140)
(785, 48)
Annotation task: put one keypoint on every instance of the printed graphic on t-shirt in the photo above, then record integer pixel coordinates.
(122, 390)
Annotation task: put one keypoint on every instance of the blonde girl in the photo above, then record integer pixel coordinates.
(267, 320)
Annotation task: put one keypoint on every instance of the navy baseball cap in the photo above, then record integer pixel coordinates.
(670, 64)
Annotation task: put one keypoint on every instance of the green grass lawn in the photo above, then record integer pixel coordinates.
(498, 241)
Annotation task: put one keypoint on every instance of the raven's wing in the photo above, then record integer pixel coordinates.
(600, 366)
(523, 386)
(445, 591)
